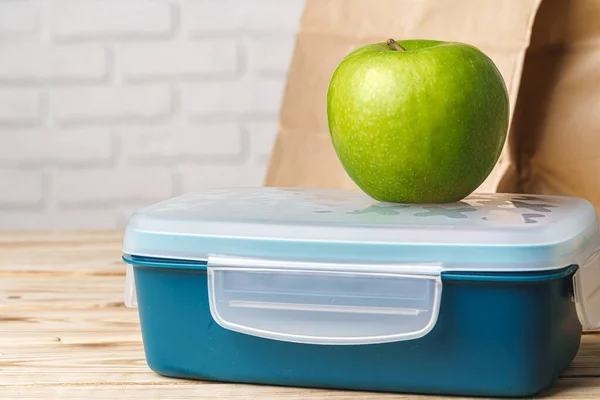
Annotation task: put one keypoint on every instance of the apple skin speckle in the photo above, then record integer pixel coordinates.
(425, 125)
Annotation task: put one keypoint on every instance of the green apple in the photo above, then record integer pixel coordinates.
(417, 121)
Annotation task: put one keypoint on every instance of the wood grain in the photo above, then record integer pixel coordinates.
(65, 334)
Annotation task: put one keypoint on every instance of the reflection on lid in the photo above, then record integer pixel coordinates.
(329, 206)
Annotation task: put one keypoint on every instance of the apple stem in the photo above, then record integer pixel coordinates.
(394, 45)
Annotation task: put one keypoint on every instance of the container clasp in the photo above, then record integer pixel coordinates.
(586, 283)
(324, 303)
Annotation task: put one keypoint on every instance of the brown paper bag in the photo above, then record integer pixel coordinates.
(555, 139)
(303, 155)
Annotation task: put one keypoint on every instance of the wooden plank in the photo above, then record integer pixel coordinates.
(566, 389)
(46, 339)
(58, 253)
(573, 388)
(59, 292)
(82, 238)
(88, 320)
(198, 391)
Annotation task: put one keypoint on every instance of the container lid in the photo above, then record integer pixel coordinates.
(337, 267)
(484, 232)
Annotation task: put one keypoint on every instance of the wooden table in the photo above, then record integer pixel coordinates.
(65, 333)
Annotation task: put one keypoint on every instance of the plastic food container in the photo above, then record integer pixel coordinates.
(330, 288)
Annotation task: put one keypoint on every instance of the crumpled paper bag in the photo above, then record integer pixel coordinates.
(555, 138)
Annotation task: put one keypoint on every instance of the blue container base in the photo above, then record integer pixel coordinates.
(524, 387)
(491, 339)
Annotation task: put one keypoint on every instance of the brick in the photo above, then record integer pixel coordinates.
(262, 137)
(270, 53)
(110, 103)
(39, 62)
(209, 176)
(77, 19)
(18, 106)
(50, 220)
(194, 143)
(73, 147)
(102, 187)
(174, 59)
(20, 188)
(17, 18)
(238, 97)
(234, 15)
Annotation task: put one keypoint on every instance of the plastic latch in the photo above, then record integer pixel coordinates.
(130, 298)
(586, 283)
(324, 303)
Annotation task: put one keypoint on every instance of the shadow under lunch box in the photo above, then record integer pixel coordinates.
(332, 289)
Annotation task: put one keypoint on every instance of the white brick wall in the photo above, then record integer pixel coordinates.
(19, 106)
(68, 148)
(25, 188)
(104, 187)
(110, 104)
(179, 59)
(99, 19)
(35, 63)
(263, 136)
(235, 97)
(189, 144)
(241, 16)
(98, 96)
(17, 19)
(264, 53)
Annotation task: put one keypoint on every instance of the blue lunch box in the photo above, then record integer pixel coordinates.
(332, 289)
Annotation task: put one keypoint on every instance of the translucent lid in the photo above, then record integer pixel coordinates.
(336, 267)
(485, 232)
